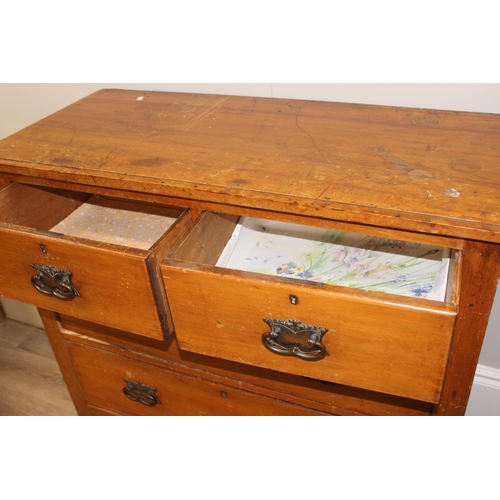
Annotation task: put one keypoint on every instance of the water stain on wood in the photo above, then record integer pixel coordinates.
(239, 182)
(420, 175)
(60, 160)
(393, 164)
(463, 166)
(399, 163)
(425, 121)
(387, 176)
(381, 150)
(149, 162)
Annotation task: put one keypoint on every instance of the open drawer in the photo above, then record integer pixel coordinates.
(378, 340)
(87, 256)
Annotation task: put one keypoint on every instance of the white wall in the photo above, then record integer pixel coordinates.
(23, 104)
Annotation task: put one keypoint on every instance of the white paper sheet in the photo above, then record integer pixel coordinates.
(338, 258)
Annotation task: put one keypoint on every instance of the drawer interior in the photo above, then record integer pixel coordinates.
(132, 224)
(321, 257)
(88, 256)
(368, 338)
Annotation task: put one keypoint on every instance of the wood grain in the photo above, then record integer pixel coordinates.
(414, 169)
(37, 207)
(413, 174)
(53, 330)
(208, 238)
(110, 279)
(176, 394)
(373, 344)
(476, 298)
(301, 391)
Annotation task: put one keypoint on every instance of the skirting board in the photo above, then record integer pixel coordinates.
(485, 395)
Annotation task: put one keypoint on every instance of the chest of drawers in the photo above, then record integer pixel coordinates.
(114, 213)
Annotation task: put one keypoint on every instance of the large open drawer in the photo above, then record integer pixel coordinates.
(373, 340)
(87, 272)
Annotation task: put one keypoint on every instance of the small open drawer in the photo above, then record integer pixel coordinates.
(283, 317)
(87, 256)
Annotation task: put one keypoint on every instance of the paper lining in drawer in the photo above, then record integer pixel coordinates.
(338, 258)
(103, 220)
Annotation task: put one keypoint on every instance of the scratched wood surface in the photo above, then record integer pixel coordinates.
(414, 169)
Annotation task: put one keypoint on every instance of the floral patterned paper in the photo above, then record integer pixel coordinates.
(109, 224)
(338, 258)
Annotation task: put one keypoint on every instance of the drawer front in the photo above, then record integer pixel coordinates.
(113, 287)
(302, 391)
(106, 377)
(396, 347)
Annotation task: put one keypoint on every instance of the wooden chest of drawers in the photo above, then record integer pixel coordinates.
(114, 213)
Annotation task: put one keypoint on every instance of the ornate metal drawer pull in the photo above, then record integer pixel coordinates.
(137, 391)
(293, 338)
(52, 281)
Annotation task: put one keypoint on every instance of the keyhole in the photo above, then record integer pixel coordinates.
(44, 250)
(294, 300)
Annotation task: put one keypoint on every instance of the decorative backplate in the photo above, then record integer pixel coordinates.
(52, 281)
(142, 393)
(293, 338)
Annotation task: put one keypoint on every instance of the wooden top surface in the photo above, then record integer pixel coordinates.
(413, 169)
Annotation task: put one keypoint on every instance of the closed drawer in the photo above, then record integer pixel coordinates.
(116, 384)
(378, 341)
(85, 257)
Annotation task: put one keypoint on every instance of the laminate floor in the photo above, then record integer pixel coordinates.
(31, 382)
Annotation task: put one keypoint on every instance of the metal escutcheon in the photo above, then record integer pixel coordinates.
(293, 338)
(141, 393)
(52, 281)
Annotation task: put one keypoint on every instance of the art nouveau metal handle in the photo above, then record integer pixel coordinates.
(293, 338)
(141, 393)
(52, 281)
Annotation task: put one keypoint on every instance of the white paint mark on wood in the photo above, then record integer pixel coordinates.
(453, 193)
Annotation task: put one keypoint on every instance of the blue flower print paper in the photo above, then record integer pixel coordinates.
(338, 258)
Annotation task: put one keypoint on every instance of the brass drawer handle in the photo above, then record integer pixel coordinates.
(141, 393)
(52, 281)
(293, 338)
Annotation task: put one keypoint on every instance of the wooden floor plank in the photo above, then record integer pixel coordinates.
(31, 382)
(13, 333)
(38, 343)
